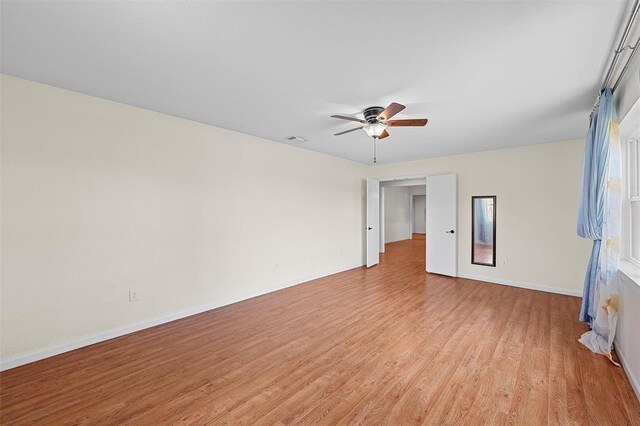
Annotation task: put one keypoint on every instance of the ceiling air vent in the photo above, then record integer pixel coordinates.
(297, 139)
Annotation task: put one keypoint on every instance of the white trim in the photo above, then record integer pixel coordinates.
(409, 177)
(520, 284)
(631, 271)
(635, 383)
(629, 130)
(30, 357)
(629, 124)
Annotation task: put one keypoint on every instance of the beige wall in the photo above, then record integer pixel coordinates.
(99, 198)
(538, 189)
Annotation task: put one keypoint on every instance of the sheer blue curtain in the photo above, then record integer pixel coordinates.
(599, 220)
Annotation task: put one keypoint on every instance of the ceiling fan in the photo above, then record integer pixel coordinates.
(377, 119)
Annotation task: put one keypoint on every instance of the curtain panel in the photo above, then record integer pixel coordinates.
(599, 219)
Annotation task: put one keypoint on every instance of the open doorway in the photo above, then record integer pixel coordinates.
(397, 216)
(392, 218)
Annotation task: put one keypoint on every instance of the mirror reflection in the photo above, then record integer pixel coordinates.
(483, 230)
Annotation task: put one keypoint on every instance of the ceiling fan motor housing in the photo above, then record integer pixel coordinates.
(371, 113)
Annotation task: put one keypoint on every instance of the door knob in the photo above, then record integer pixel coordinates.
(450, 232)
(369, 228)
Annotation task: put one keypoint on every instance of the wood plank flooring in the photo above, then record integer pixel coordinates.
(389, 345)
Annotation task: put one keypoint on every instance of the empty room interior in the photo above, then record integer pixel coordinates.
(320, 212)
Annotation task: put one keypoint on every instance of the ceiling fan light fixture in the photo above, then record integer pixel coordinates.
(374, 129)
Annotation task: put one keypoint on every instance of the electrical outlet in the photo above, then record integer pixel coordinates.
(505, 262)
(133, 296)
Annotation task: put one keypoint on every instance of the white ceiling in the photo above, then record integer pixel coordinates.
(487, 74)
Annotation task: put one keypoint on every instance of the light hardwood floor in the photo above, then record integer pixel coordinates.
(386, 345)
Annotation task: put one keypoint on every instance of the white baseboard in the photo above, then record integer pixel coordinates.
(520, 284)
(40, 354)
(635, 382)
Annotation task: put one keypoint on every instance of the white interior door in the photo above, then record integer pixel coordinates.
(381, 241)
(441, 217)
(373, 221)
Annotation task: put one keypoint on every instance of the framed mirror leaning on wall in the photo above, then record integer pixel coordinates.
(483, 230)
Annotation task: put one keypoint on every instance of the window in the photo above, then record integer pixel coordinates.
(633, 180)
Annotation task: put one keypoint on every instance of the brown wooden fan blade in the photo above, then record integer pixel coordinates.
(408, 122)
(390, 111)
(383, 134)
(346, 117)
(347, 131)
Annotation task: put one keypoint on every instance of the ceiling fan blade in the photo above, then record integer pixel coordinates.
(407, 122)
(347, 131)
(390, 111)
(383, 134)
(346, 117)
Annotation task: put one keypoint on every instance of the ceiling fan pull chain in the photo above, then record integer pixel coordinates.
(374, 150)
